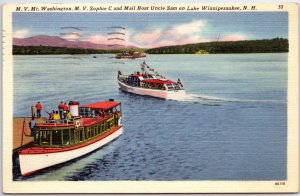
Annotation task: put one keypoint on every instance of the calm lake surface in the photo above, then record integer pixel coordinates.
(232, 125)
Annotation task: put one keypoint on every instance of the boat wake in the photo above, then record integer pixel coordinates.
(215, 101)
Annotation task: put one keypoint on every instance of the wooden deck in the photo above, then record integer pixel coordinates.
(17, 132)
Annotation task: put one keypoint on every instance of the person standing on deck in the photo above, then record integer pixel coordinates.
(66, 108)
(32, 124)
(38, 107)
(61, 109)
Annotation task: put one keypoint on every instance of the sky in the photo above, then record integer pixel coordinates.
(147, 30)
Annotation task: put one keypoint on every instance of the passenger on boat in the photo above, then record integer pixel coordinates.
(66, 108)
(69, 116)
(116, 117)
(61, 109)
(51, 114)
(102, 113)
(56, 116)
(38, 107)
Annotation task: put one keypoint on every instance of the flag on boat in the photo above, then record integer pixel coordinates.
(24, 127)
(143, 67)
(179, 82)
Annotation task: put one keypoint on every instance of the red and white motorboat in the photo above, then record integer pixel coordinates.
(149, 82)
(92, 126)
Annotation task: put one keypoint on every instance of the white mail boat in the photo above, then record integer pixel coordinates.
(151, 83)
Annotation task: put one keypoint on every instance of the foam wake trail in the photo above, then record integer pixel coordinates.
(205, 99)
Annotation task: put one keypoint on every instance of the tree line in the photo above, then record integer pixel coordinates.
(44, 50)
(248, 46)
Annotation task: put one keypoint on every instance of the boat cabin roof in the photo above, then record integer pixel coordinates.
(158, 81)
(54, 125)
(139, 75)
(104, 105)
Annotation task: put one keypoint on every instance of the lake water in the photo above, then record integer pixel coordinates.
(232, 124)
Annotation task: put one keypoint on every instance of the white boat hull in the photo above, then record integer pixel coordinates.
(30, 163)
(164, 94)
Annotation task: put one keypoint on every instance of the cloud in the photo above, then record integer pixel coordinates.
(71, 36)
(233, 37)
(177, 34)
(190, 40)
(22, 33)
(149, 37)
(189, 28)
(107, 39)
(97, 39)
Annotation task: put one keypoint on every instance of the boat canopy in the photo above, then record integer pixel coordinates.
(102, 105)
(158, 81)
(139, 75)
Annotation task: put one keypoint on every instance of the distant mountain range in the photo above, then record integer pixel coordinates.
(56, 45)
(55, 41)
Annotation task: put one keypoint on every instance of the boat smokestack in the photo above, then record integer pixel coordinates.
(74, 108)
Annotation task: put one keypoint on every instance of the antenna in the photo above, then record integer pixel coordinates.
(218, 37)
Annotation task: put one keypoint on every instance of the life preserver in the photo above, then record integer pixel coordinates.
(77, 124)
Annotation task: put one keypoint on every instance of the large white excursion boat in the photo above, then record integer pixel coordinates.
(151, 83)
(91, 127)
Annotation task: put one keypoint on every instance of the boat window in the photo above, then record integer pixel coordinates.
(110, 111)
(104, 126)
(101, 127)
(72, 136)
(87, 112)
(87, 133)
(97, 112)
(176, 86)
(66, 137)
(37, 137)
(81, 135)
(90, 133)
(116, 119)
(56, 138)
(45, 138)
(98, 128)
(170, 87)
(93, 131)
(108, 125)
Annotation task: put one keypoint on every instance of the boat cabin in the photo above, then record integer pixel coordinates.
(149, 81)
(94, 120)
(160, 84)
